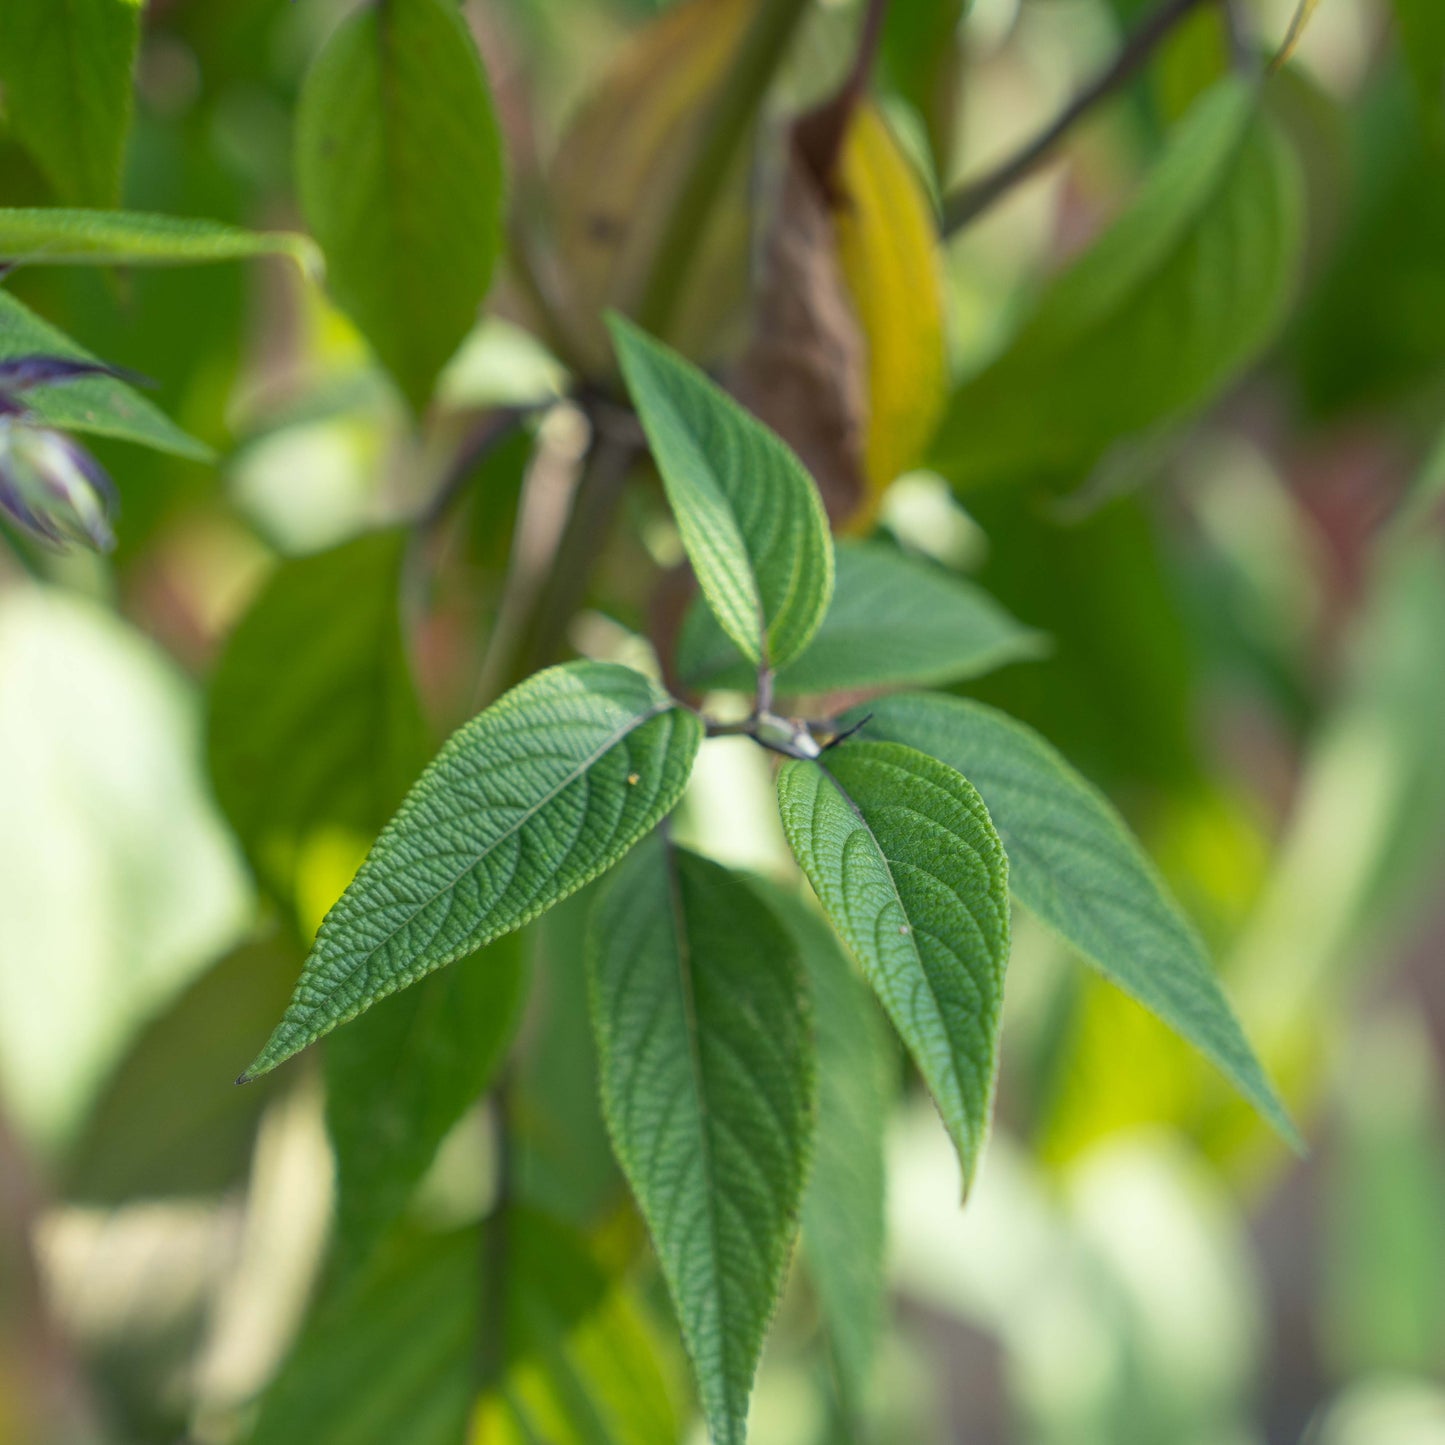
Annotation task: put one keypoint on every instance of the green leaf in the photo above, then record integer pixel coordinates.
(1179, 295)
(403, 1074)
(56, 237)
(65, 66)
(527, 802)
(706, 1065)
(894, 621)
(581, 1364)
(314, 718)
(750, 517)
(1422, 37)
(1074, 863)
(399, 168)
(900, 851)
(101, 405)
(844, 1224)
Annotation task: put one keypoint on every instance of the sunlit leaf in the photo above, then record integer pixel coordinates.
(751, 518)
(699, 1005)
(843, 1209)
(901, 853)
(102, 405)
(399, 169)
(57, 237)
(894, 620)
(1176, 298)
(66, 73)
(404, 1073)
(1075, 864)
(527, 802)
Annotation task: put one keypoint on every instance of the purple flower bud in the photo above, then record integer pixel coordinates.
(52, 488)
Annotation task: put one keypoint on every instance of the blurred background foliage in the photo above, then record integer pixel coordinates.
(1246, 616)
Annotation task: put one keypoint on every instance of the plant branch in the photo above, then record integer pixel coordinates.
(970, 200)
(724, 127)
(490, 433)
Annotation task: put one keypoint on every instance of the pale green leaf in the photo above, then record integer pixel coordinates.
(56, 237)
(751, 519)
(1074, 863)
(900, 851)
(699, 1006)
(102, 405)
(894, 620)
(399, 169)
(1182, 293)
(65, 67)
(403, 1074)
(527, 802)
(314, 720)
(844, 1223)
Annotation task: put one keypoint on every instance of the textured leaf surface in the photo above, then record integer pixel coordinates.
(894, 620)
(843, 1210)
(314, 719)
(900, 851)
(1184, 290)
(750, 517)
(404, 1073)
(699, 1006)
(58, 237)
(581, 1365)
(527, 802)
(888, 250)
(65, 66)
(1074, 863)
(399, 168)
(99, 404)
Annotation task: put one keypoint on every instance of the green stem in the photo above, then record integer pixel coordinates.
(726, 125)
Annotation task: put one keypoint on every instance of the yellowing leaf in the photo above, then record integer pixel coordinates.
(619, 164)
(887, 241)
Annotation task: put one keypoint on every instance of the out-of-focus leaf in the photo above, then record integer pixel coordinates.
(118, 884)
(920, 59)
(888, 249)
(700, 1008)
(894, 620)
(314, 720)
(66, 71)
(56, 237)
(102, 405)
(844, 1223)
(1176, 298)
(1422, 35)
(403, 1074)
(1074, 863)
(525, 804)
(399, 168)
(581, 1365)
(391, 1356)
(901, 853)
(750, 517)
(170, 1120)
(619, 164)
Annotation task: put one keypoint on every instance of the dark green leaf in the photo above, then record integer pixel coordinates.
(98, 404)
(404, 1073)
(1075, 864)
(750, 517)
(314, 718)
(699, 1005)
(527, 802)
(66, 70)
(399, 167)
(1422, 37)
(844, 1224)
(900, 850)
(56, 237)
(894, 620)
(1178, 296)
